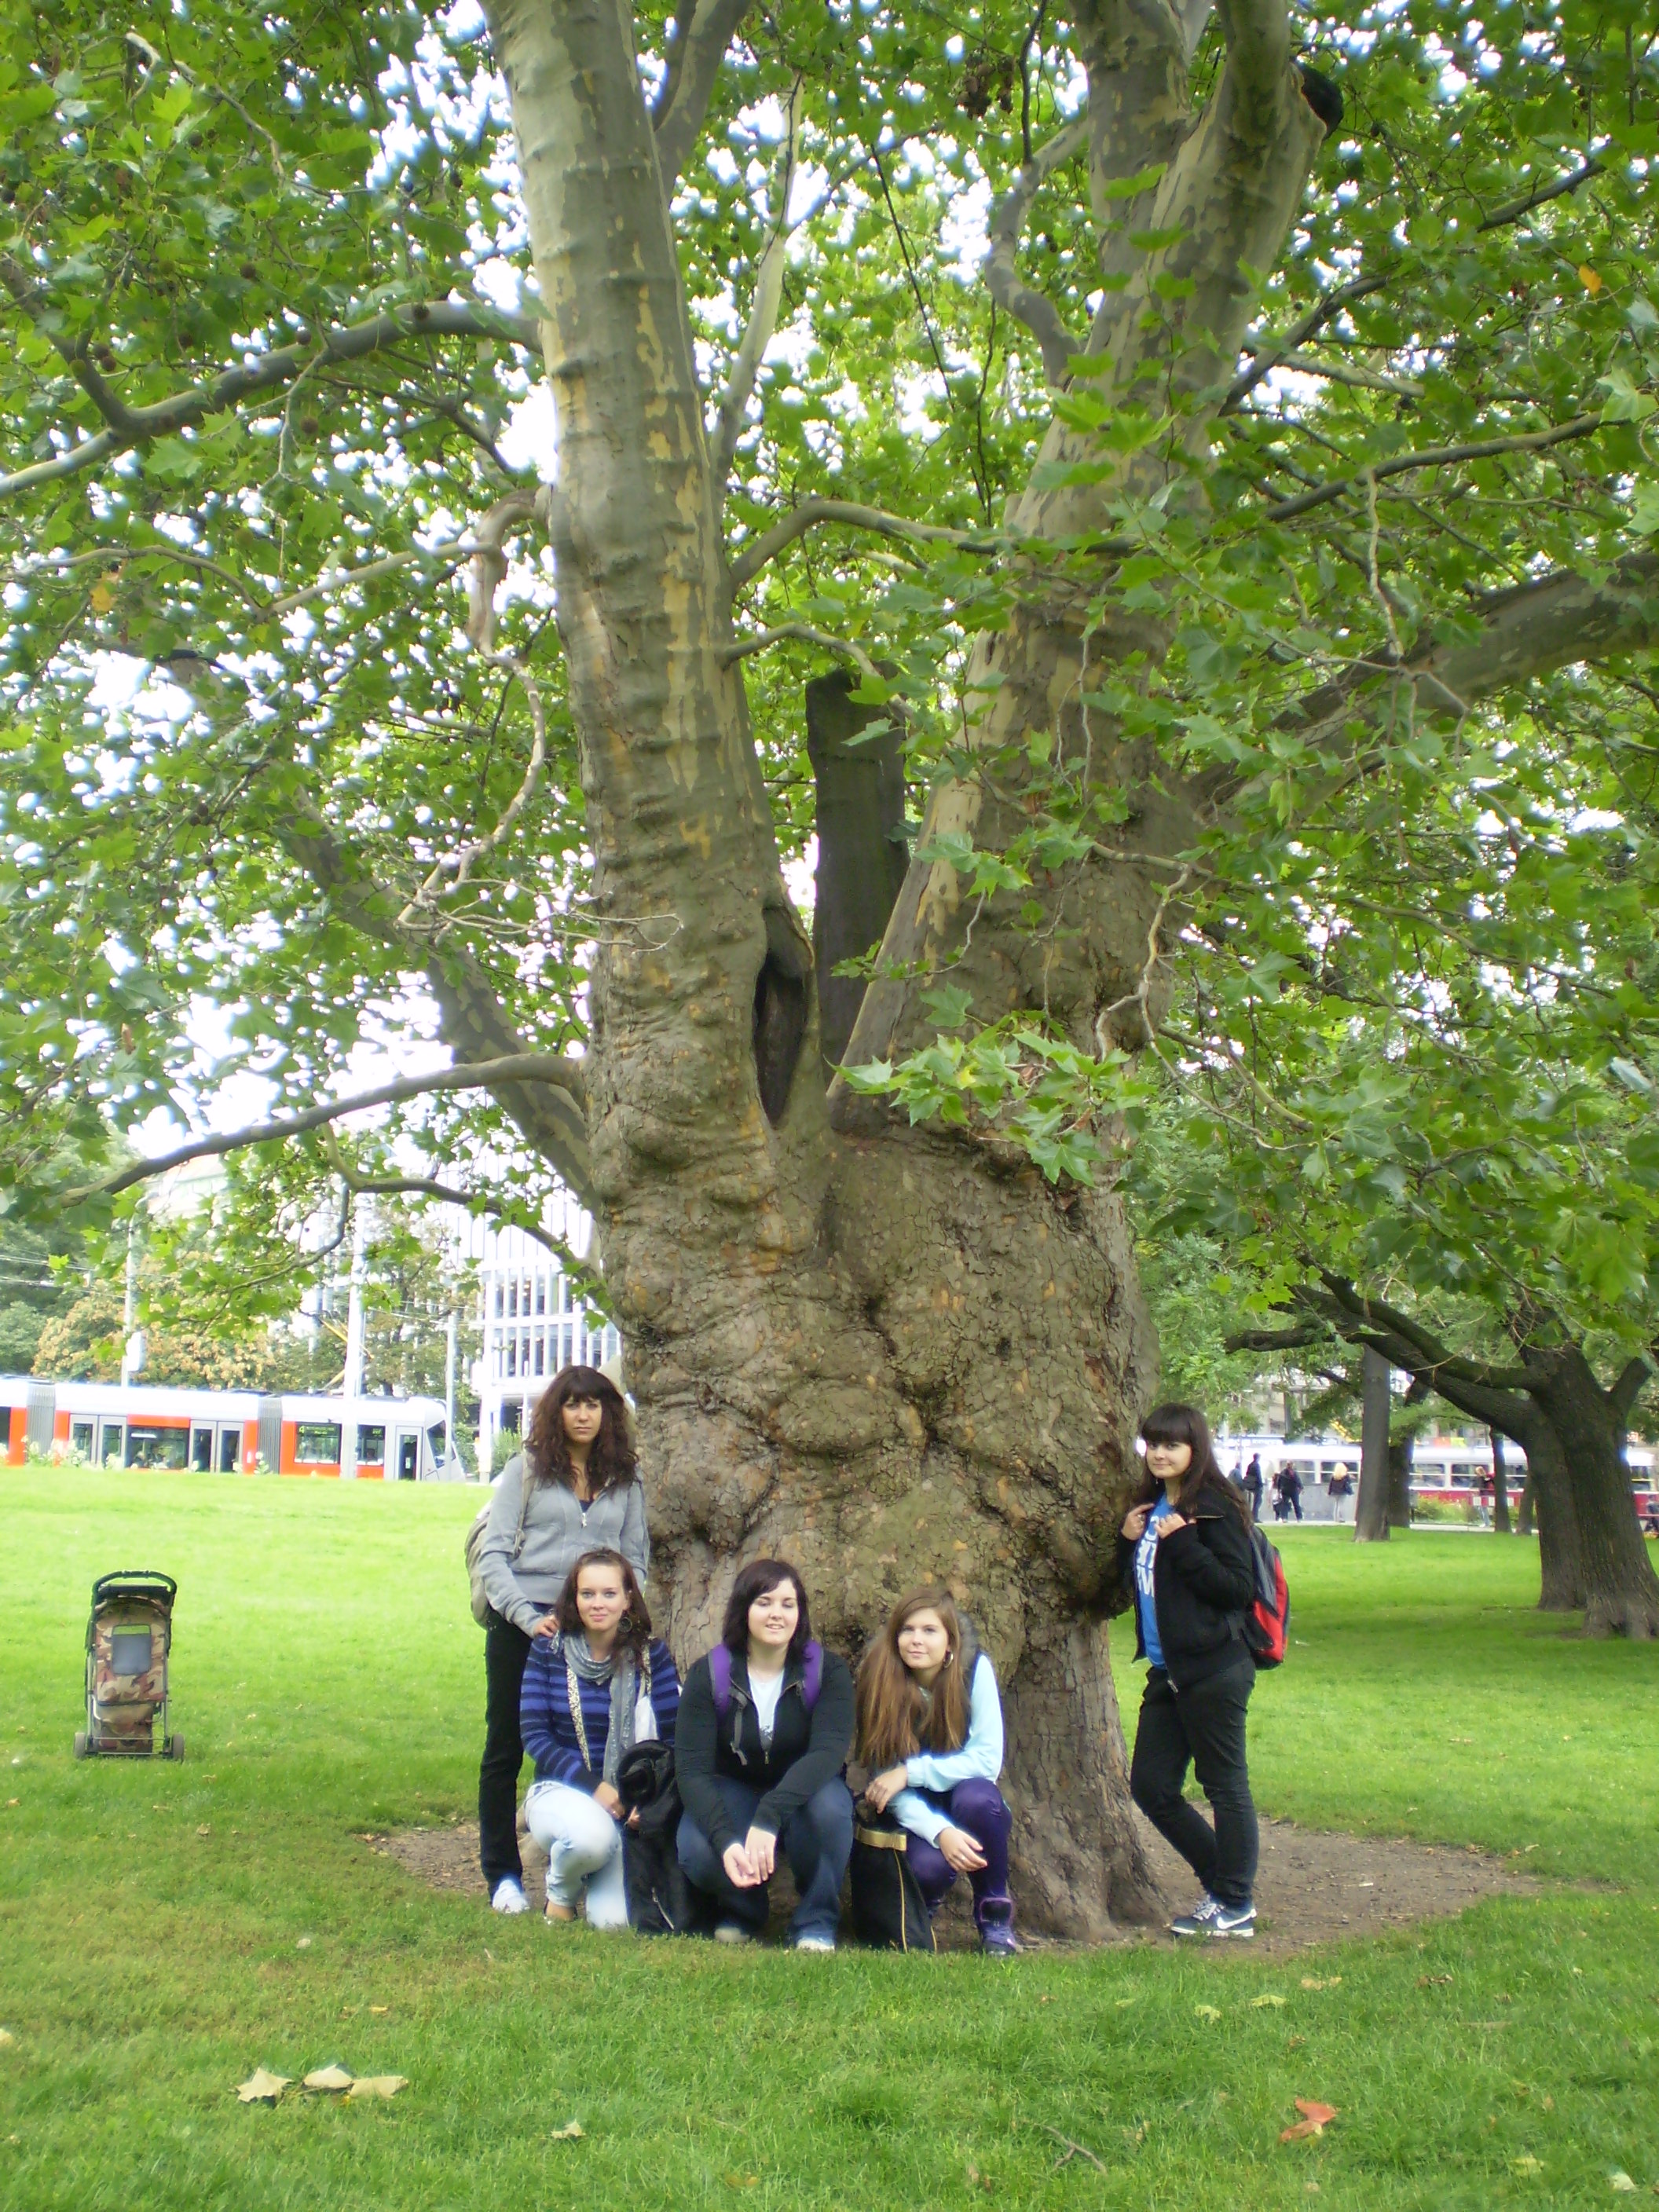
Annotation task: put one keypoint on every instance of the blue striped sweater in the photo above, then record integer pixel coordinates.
(548, 1731)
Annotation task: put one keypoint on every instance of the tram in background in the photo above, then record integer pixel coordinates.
(1445, 1472)
(224, 1432)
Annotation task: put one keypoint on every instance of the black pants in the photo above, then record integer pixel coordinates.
(506, 1650)
(1202, 1727)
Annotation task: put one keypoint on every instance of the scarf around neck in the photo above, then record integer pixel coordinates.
(619, 1669)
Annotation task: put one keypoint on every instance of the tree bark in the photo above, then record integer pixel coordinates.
(1620, 1592)
(861, 852)
(1400, 1482)
(1524, 1518)
(885, 1356)
(1370, 1520)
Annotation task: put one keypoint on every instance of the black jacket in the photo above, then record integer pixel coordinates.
(1203, 1584)
(808, 1749)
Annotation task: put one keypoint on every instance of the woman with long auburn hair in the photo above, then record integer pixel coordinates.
(593, 1690)
(1185, 1559)
(929, 1729)
(573, 1488)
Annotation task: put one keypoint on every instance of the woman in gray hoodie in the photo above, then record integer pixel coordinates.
(573, 1488)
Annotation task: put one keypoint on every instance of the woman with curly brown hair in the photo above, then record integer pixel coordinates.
(573, 1488)
(930, 1732)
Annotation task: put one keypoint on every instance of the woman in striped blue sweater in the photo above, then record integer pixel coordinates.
(590, 1693)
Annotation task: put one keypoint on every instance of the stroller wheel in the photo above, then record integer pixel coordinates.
(175, 1745)
(80, 1743)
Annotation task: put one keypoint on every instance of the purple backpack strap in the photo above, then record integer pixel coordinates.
(812, 1682)
(720, 1679)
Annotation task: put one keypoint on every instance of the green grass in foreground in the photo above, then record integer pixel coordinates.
(165, 1929)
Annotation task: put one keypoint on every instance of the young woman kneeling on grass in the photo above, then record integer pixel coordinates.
(1184, 1558)
(930, 1731)
(591, 1691)
(765, 1729)
(574, 1488)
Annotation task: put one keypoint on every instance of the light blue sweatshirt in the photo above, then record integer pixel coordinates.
(979, 1759)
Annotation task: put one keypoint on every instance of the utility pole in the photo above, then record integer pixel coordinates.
(135, 1348)
(451, 1342)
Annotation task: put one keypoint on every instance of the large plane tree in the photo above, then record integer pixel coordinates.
(1146, 424)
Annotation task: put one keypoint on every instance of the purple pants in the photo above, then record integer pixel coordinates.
(977, 1808)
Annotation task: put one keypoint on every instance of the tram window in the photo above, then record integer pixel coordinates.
(435, 1444)
(112, 1443)
(150, 1445)
(409, 1455)
(318, 1443)
(201, 1450)
(230, 1450)
(370, 1447)
(81, 1434)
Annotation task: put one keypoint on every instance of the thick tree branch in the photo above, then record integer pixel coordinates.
(1628, 1388)
(549, 1067)
(261, 372)
(1258, 35)
(1343, 1303)
(489, 564)
(811, 513)
(763, 309)
(1435, 456)
(694, 68)
(1008, 219)
(803, 634)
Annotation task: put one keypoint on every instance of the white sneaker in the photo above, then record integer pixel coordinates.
(509, 1896)
(730, 1932)
(815, 1943)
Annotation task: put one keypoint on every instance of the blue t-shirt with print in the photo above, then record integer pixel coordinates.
(1145, 1553)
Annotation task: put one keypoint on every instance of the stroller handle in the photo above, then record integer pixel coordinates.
(145, 1576)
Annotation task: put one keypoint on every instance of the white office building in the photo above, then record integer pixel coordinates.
(532, 1319)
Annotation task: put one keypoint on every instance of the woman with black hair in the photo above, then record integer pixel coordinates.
(591, 1693)
(1185, 1559)
(765, 1725)
(573, 1488)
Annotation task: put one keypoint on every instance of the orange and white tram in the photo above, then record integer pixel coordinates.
(222, 1432)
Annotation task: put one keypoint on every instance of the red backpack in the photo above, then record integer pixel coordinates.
(1267, 1622)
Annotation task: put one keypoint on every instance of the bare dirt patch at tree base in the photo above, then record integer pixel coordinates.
(1313, 1886)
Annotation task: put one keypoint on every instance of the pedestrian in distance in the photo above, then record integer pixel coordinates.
(573, 1488)
(929, 1731)
(591, 1693)
(1289, 1489)
(760, 1754)
(1254, 1485)
(1186, 1562)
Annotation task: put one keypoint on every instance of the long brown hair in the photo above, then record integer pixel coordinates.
(896, 1715)
(634, 1630)
(1185, 1425)
(611, 1463)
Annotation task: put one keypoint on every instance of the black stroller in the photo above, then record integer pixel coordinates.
(129, 1637)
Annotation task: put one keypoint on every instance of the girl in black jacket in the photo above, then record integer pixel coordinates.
(760, 1745)
(1184, 1558)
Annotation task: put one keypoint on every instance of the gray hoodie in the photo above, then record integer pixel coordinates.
(557, 1529)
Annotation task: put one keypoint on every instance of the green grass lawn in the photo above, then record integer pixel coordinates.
(165, 1929)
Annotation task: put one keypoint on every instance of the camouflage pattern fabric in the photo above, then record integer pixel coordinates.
(128, 1670)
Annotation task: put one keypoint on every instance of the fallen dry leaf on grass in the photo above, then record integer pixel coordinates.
(379, 2008)
(1315, 2120)
(571, 2132)
(1622, 2182)
(1206, 2012)
(1526, 2165)
(1432, 1981)
(1314, 1982)
(1266, 1998)
(332, 2078)
(262, 2088)
(378, 2085)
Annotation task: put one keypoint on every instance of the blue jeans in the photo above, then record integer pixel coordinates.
(818, 1842)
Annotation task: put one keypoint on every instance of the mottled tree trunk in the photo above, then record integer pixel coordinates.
(887, 1354)
(1500, 1487)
